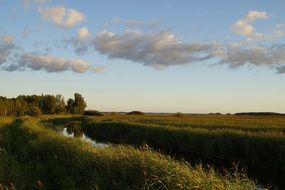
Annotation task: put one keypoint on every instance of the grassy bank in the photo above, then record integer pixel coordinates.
(35, 157)
(220, 146)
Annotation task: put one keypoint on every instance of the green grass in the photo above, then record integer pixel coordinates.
(220, 146)
(32, 154)
(252, 141)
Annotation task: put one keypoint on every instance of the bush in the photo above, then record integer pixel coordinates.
(135, 113)
(178, 114)
(93, 113)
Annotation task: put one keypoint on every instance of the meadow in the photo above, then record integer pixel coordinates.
(36, 156)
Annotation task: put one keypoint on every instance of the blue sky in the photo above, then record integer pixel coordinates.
(154, 56)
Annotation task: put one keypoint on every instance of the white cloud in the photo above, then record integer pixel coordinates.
(99, 69)
(5, 51)
(7, 38)
(6, 47)
(62, 16)
(157, 50)
(83, 33)
(254, 15)
(165, 49)
(273, 56)
(244, 25)
(52, 64)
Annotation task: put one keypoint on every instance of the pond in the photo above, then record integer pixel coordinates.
(75, 134)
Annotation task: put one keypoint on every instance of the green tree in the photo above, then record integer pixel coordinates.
(60, 104)
(3, 107)
(79, 104)
(18, 106)
(34, 110)
(48, 104)
(76, 106)
(70, 106)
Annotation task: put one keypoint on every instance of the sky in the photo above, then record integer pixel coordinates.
(154, 56)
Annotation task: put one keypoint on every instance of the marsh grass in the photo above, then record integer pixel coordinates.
(42, 155)
(219, 147)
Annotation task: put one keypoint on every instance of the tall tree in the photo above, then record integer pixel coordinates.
(76, 106)
(60, 104)
(70, 106)
(79, 104)
(48, 104)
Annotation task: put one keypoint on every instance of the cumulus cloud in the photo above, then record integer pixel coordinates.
(158, 50)
(51, 64)
(273, 56)
(62, 16)
(11, 67)
(83, 33)
(79, 44)
(244, 25)
(281, 69)
(7, 38)
(99, 69)
(164, 49)
(6, 47)
(5, 51)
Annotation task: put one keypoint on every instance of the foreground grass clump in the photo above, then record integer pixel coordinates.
(36, 157)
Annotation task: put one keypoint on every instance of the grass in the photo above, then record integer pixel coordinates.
(252, 141)
(36, 157)
(220, 146)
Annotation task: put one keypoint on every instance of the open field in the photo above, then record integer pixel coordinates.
(36, 157)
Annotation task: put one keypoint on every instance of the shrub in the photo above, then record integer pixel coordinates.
(93, 113)
(178, 114)
(135, 113)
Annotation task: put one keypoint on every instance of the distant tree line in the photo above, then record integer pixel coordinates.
(260, 114)
(35, 105)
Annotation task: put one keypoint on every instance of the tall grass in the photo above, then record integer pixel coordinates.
(262, 149)
(42, 156)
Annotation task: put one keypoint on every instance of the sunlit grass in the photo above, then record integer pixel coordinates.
(40, 154)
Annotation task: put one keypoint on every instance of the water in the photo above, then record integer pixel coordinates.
(83, 137)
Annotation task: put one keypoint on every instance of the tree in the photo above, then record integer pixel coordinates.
(35, 105)
(34, 111)
(79, 104)
(76, 106)
(19, 107)
(70, 106)
(59, 104)
(48, 104)
(3, 107)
